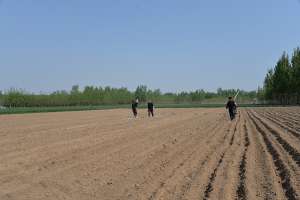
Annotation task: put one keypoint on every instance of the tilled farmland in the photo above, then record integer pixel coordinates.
(180, 154)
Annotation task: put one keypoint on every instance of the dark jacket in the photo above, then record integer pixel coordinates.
(134, 105)
(231, 105)
(150, 106)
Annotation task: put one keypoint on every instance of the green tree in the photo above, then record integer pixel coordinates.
(141, 93)
(282, 79)
(75, 89)
(296, 70)
(269, 86)
(197, 96)
(260, 94)
(15, 98)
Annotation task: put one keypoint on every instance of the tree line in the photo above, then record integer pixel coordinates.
(91, 96)
(282, 83)
(281, 86)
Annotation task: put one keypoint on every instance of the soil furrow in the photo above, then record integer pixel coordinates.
(180, 154)
(195, 166)
(241, 191)
(194, 174)
(291, 150)
(234, 132)
(289, 129)
(280, 166)
(209, 187)
(217, 126)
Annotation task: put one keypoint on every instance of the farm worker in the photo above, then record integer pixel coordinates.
(231, 106)
(134, 106)
(150, 109)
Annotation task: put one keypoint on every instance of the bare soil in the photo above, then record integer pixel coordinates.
(180, 154)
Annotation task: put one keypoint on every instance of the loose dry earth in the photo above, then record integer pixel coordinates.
(180, 154)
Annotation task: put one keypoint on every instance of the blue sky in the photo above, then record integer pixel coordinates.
(174, 45)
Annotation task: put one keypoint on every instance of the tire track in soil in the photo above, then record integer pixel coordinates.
(213, 129)
(241, 191)
(287, 147)
(209, 187)
(283, 172)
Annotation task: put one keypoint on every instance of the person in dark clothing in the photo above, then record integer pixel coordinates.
(134, 106)
(150, 109)
(231, 106)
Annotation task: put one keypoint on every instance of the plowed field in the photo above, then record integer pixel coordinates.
(180, 154)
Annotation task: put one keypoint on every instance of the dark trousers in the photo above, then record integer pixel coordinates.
(134, 110)
(150, 113)
(231, 114)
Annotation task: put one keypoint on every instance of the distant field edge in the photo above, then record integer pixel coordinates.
(24, 110)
